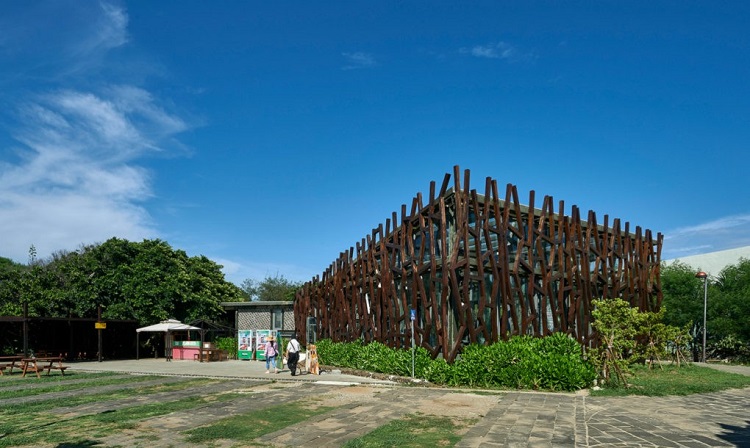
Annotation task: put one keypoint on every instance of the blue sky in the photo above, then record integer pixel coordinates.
(271, 136)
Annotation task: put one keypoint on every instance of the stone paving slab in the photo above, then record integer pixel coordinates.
(231, 369)
(212, 412)
(693, 420)
(526, 419)
(508, 419)
(351, 421)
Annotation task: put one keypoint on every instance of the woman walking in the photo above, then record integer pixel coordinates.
(272, 349)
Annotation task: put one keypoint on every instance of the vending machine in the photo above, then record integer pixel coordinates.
(245, 344)
(261, 336)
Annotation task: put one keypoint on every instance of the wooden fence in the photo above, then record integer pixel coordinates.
(472, 268)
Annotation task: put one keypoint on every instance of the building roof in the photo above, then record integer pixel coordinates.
(256, 304)
(712, 263)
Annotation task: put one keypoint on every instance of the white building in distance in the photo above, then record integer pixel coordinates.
(713, 262)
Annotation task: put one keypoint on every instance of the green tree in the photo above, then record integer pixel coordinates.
(146, 281)
(249, 289)
(683, 295)
(729, 305)
(655, 339)
(276, 288)
(10, 287)
(617, 324)
(150, 281)
(683, 301)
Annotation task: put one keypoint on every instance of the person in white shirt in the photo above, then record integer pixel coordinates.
(292, 353)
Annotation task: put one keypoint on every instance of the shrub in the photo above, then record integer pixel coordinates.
(730, 348)
(551, 363)
(617, 324)
(627, 335)
(229, 344)
(557, 364)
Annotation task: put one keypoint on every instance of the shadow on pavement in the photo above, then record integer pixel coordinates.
(736, 435)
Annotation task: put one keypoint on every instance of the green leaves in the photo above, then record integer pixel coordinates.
(627, 335)
(147, 281)
(551, 363)
(270, 289)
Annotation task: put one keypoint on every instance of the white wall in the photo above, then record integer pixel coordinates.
(713, 262)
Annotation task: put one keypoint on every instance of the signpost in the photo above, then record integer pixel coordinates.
(413, 318)
(99, 325)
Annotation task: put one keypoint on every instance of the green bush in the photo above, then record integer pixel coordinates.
(730, 348)
(627, 336)
(438, 371)
(561, 365)
(338, 354)
(551, 363)
(228, 344)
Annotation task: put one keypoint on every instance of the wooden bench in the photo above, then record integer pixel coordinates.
(61, 368)
(9, 362)
(38, 365)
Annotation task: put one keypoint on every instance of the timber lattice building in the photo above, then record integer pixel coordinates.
(480, 268)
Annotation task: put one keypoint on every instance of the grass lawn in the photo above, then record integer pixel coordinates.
(413, 431)
(254, 424)
(32, 424)
(13, 380)
(671, 380)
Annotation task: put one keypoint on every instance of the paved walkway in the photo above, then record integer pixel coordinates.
(224, 369)
(505, 419)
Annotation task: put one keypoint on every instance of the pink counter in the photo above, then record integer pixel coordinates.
(189, 353)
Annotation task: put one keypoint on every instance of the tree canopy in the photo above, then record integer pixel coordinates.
(147, 281)
(276, 288)
(683, 295)
(728, 302)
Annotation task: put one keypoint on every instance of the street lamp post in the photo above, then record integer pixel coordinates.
(704, 276)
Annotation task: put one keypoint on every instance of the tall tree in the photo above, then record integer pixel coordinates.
(275, 289)
(683, 295)
(10, 287)
(730, 303)
(683, 301)
(146, 281)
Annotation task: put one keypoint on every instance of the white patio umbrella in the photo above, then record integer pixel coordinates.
(166, 327)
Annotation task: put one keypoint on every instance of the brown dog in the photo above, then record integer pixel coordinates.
(312, 360)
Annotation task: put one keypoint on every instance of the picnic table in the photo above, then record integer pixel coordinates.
(9, 362)
(208, 355)
(41, 364)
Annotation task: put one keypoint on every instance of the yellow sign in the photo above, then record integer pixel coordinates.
(100, 325)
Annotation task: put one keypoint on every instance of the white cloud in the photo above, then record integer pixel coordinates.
(358, 60)
(239, 271)
(500, 50)
(108, 31)
(74, 176)
(724, 233)
(727, 223)
(77, 180)
(133, 100)
(52, 220)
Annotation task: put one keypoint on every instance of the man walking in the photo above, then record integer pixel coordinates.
(292, 353)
